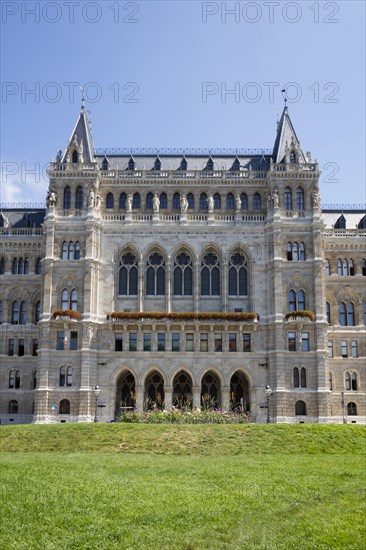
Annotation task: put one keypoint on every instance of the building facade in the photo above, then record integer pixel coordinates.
(183, 277)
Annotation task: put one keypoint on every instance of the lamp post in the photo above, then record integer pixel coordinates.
(97, 391)
(268, 392)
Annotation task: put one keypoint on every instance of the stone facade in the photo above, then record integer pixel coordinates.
(176, 235)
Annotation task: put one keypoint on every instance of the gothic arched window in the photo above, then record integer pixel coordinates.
(230, 201)
(136, 201)
(190, 200)
(74, 300)
(62, 376)
(38, 268)
(67, 198)
(69, 376)
(176, 201)
(327, 268)
(296, 252)
(21, 266)
(342, 315)
(3, 263)
(26, 266)
(149, 201)
(339, 267)
(203, 201)
(210, 275)
(217, 201)
(351, 409)
(345, 268)
(300, 408)
(301, 300)
(79, 198)
(351, 314)
(77, 251)
(257, 202)
(23, 313)
(302, 252)
(288, 198)
(65, 299)
(238, 275)
(37, 314)
(71, 250)
(296, 377)
(303, 377)
(163, 201)
(15, 313)
(244, 201)
(64, 407)
(128, 275)
(300, 199)
(327, 307)
(292, 300)
(109, 201)
(75, 157)
(122, 200)
(183, 275)
(155, 275)
(64, 251)
(15, 266)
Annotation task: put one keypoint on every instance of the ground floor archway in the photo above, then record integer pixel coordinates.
(210, 391)
(126, 391)
(182, 390)
(154, 391)
(239, 392)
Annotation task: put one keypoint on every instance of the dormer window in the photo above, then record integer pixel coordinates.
(362, 223)
(131, 164)
(340, 223)
(236, 165)
(183, 164)
(105, 164)
(157, 164)
(210, 164)
(75, 157)
(292, 158)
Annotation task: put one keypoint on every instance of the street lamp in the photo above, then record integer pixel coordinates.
(268, 392)
(97, 391)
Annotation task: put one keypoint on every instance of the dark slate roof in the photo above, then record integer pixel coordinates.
(83, 134)
(285, 133)
(22, 217)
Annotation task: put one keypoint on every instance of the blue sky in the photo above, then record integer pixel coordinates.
(147, 64)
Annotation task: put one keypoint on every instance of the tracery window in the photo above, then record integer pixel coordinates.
(210, 275)
(67, 198)
(183, 275)
(122, 200)
(244, 201)
(288, 198)
(296, 302)
(163, 201)
(109, 201)
(128, 275)
(190, 200)
(176, 201)
(300, 199)
(230, 201)
(217, 201)
(203, 201)
(79, 198)
(155, 275)
(136, 201)
(238, 275)
(257, 202)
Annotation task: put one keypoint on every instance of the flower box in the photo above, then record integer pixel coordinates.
(182, 316)
(66, 315)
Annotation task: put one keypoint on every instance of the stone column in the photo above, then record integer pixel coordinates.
(141, 285)
(196, 285)
(169, 285)
(140, 398)
(196, 397)
(168, 397)
(225, 398)
(224, 286)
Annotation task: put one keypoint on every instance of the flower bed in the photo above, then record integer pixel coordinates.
(162, 316)
(303, 313)
(177, 416)
(67, 314)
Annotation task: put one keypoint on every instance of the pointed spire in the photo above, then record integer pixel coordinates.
(286, 142)
(80, 144)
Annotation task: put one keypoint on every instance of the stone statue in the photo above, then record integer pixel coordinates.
(275, 198)
(91, 199)
(211, 204)
(81, 152)
(51, 198)
(156, 204)
(238, 203)
(98, 201)
(269, 200)
(184, 203)
(129, 203)
(316, 198)
(308, 156)
(59, 156)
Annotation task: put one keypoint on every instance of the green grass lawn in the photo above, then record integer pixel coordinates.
(205, 487)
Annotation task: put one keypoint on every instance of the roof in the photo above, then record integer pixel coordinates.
(82, 134)
(22, 217)
(352, 218)
(285, 136)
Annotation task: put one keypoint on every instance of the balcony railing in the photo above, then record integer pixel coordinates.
(21, 231)
(345, 233)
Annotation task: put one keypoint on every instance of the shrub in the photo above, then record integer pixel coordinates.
(181, 316)
(178, 416)
(66, 313)
(305, 313)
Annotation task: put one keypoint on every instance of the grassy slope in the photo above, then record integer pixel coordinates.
(182, 487)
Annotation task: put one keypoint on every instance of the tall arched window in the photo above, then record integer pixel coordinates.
(2, 266)
(351, 409)
(77, 251)
(339, 267)
(230, 201)
(295, 252)
(62, 377)
(155, 275)
(15, 266)
(203, 201)
(190, 200)
(11, 382)
(210, 275)
(1, 312)
(71, 250)
(163, 201)
(105, 164)
(302, 252)
(34, 380)
(300, 199)
(328, 312)
(23, 313)
(354, 381)
(79, 198)
(26, 266)
(327, 268)
(69, 376)
(300, 408)
(149, 201)
(257, 202)
(21, 266)
(301, 300)
(288, 198)
(296, 377)
(292, 158)
(65, 299)
(136, 202)
(238, 275)
(291, 301)
(37, 314)
(109, 201)
(176, 201)
(244, 201)
(183, 275)
(15, 313)
(67, 198)
(122, 200)
(38, 268)
(289, 252)
(128, 275)
(64, 407)
(74, 300)
(351, 314)
(342, 315)
(64, 251)
(217, 201)
(303, 377)
(351, 268)
(75, 157)
(345, 268)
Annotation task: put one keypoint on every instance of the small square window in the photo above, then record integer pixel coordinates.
(161, 341)
(246, 343)
(147, 341)
(73, 341)
(189, 342)
(232, 341)
(291, 336)
(133, 341)
(305, 346)
(218, 341)
(60, 344)
(204, 341)
(175, 341)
